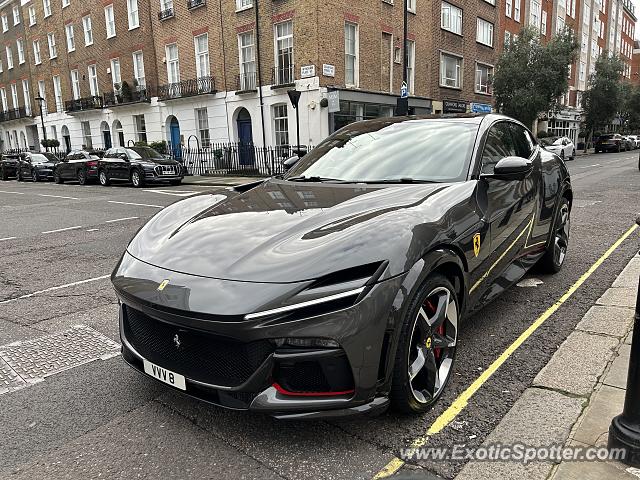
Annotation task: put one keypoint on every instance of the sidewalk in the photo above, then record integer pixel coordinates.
(218, 181)
(575, 396)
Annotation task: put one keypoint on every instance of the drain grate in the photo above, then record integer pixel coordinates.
(32, 361)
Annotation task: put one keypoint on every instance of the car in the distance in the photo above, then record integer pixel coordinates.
(80, 165)
(636, 140)
(37, 167)
(610, 142)
(630, 143)
(9, 165)
(138, 165)
(561, 146)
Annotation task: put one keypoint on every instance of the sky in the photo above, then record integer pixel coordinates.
(637, 5)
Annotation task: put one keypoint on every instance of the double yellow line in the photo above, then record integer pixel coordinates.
(462, 401)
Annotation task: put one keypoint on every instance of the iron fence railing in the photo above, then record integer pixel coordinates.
(247, 82)
(191, 4)
(187, 88)
(233, 159)
(85, 103)
(283, 75)
(166, 13)
(14, 114)
(141, 93)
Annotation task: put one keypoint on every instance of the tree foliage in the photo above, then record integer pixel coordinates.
(531, 76)
(603, 98)
(630, 107)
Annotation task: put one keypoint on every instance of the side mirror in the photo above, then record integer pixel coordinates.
(290, 162)
(124, 157)
(511, 168)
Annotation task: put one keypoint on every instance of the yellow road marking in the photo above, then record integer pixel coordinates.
(462, 401)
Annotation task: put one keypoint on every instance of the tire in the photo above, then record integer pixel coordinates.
(34, 176)
(562, 154)
(137, 179)
(432, 319)
(3, 175)
(82, 177)
(175, 183)
(57, 178)
(573, 155)
(556, 252)
(103, 178)
(619, 149)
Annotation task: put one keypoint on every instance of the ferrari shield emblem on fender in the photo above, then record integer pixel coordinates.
(164, 283)
(476, 244)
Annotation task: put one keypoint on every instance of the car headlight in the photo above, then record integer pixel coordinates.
(330, 293)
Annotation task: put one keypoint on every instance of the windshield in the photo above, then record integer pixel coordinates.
(43, 157)
(436, 150)
(144, 152)
(549, 141)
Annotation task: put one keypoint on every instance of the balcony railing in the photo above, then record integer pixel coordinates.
(123, 96)
(14, 114)
(187, 88)
(191, 4)
(247, 82)
(83, 104)
(283, 75)
(166, 13)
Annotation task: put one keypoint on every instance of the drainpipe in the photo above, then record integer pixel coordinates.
(264, 137)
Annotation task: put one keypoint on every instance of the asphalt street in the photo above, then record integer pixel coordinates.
(102, 419)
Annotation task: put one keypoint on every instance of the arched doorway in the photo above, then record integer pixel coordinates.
(106, 135)
(175, 140)
(66, 138)
(118, 134)
(245, 137)
(23, 140)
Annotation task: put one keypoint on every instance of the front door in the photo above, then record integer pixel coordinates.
(67, 142)
(106, 137)
(245, 139)
(174, 130)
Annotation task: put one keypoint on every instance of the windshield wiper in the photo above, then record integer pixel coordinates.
(302, 178)
(398, 180)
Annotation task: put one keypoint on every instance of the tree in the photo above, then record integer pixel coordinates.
(630, 107)
(602, 99)
(531, 76)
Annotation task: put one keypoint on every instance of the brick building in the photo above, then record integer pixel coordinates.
(197, 72)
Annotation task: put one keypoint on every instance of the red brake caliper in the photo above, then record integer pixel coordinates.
(439, 330)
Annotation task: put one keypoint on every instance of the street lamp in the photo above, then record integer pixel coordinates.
(40, 100)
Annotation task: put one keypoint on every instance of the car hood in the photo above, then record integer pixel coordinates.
(285, 232)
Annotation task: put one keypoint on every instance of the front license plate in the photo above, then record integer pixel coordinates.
(164, 375)
(168, 173)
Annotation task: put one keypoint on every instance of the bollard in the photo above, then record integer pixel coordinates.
(624, 431)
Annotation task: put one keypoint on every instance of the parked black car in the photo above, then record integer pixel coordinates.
(341, 288)
(138, 165)
(9, 165)
(37, 166)
(610, 142)
(78, 165)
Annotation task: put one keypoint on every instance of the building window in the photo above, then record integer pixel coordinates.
(32, 16)
(14, 96)
(173, 64)
(71, 38)
(86, 135)
(351, 47)
(284, 53)
(544, 23)
(20, 46)
(51, 39)
(57, 92)
(42, 94)
(3, 94)
(115, 73)
(110, 21)
(27, 96)
(88, 31)
(141, 128)
(484, 33)
(451, 18)
(582, 72)
(534, 19)
(516, 10)
(450, 71)
(75, 84)
(411, 65)
(201, 43)
(66, 3)
(93, 80)
(166, 6)
(46, 6)
(5, 23)
(508, 8)
(281, 124)
(134, 18)
(16, 15)
(507, 38)
(138, 70)
(243, 4)
(247, 61)
(9, 57)
(36, 52)
(202, 116)
(411, 5)
(483, 78)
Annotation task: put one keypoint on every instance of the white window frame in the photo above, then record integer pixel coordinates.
(534, 16)
(243, 5)
(116, 78)
(46, 7)
(5, 103)
(66, 3)
(484, 32)
(173, 75)
(42, 93)
(283, 42)
(51, 41)
(458, 81)
(508, 8)
(32, 16)
(140, 125)
(133, 14)
(355, 55)
(203, 67)
(16, 15)
(26, 96)
(280, 134)
(138, 69)
(9, 53)
(87, 28)
(20, 48)
(516, 10)
(202, 125)
(166, 5)
(37, 55)
(411, 66)
(94, 86)
(247, 57)
(87, 138)
(75, 84)
(411, 5)
(451, 18)
(543, 22)
(71, 37)
(57, 93)
(477, 84)
(110, 21)
(5, 23)
(15, 99)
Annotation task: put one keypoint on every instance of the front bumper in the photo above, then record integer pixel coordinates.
(272, 383)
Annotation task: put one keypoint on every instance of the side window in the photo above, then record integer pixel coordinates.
(499, 145)
(521, 141)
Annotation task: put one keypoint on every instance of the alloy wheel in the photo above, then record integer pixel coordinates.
(34, 175)
(432, 346)
(561, 239)
(82, 179)
(103, 178)
(135, 178)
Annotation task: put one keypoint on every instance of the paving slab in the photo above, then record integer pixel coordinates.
(617, 374)
(539, 417)
(578, 363)
(630, 275)
(621, 297)
(607, 320)
(591, 471)
(605, 404)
